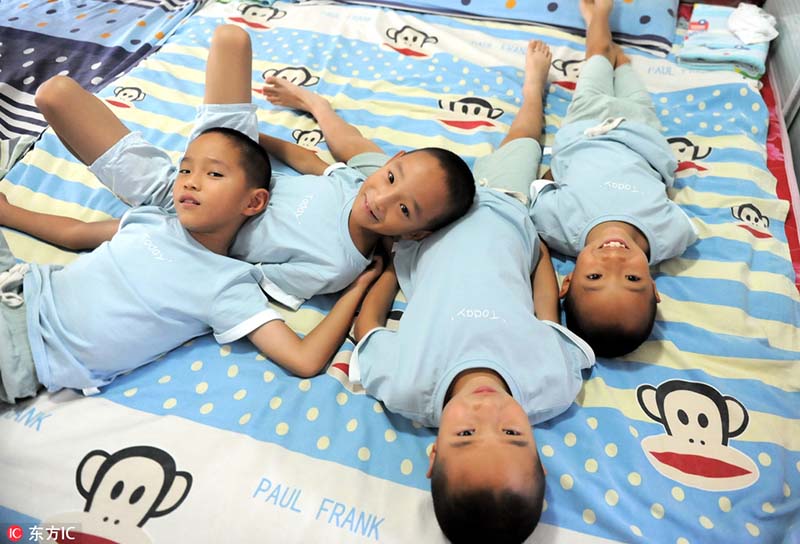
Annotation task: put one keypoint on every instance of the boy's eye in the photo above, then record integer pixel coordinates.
(468, 432)
(391, 177)
(511, 432)
(215, 174)
(184, 171)
(631, 277)
(593, 276)
(404, 209)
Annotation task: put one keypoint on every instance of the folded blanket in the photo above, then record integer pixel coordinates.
(710, 45)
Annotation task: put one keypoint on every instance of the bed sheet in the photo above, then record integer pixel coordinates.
(93, 41)
(691, 438)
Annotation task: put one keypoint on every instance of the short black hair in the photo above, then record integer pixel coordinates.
(252, 157)
(607, 339)
(459, 181)
(485, 515)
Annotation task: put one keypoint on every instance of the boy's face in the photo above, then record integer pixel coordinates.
(610, 274)
(402, 198)
(486, 441)
(211, 193)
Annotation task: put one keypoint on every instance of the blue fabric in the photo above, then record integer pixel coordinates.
(148, 290)
(465, 312)
(302, 240)
(649, 25)
(618, 176)
(709, 45)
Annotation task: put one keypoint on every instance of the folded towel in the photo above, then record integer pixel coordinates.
(710, 45)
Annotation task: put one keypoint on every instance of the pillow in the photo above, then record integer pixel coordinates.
(647, 25)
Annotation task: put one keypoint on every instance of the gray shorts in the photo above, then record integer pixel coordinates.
(17, 371)
(603, 92)
(139, 173)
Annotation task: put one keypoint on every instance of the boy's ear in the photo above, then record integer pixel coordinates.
(655, 292)
(259, 199)
(565, 285)
(431, 459)
(416, 236)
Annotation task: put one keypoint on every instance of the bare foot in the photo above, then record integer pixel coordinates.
(281, 92)
(537, 65)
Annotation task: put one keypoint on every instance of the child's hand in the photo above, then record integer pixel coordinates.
(3, 207)
(371, 273)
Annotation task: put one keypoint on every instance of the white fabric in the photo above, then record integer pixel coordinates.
(751, 24)
(10, 283)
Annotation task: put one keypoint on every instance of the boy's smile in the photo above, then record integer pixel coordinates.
(402, 198)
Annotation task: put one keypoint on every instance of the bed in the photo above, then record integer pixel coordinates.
(93, 41)
(694, 437)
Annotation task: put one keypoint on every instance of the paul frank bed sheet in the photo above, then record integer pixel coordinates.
(692, 438)
(93, 41)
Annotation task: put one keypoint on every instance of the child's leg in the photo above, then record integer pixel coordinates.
(86, 126)
(55, 229)
(530, 119)
(344, 140)
(595, 88)
(514, 164)
(229, 71)
(596, 13)
(631, 93)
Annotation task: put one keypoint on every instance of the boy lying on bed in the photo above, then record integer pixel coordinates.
(608, 205)
(320, 250)
(473, 354)
(163, 279)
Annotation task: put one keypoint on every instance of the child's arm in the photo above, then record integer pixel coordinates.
(545, 287)
(296, 156)
(344, 140)
(306, 356)
(377, 303)
(55, 229)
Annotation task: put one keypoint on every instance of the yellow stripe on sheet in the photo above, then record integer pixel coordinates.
(762, 427)
(32, 250)
(167, 94)
(341, 101)
(771, 207)
(739, 170)
(302, 320)
(732, 231)
(410, 140)
(65, 169)
(720, 319)
(779, 373)
(734, 271)
(732, 141)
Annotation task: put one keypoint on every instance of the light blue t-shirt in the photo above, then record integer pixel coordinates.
(470, 306)
(145, 292)
(302, 239)
(618, 176)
